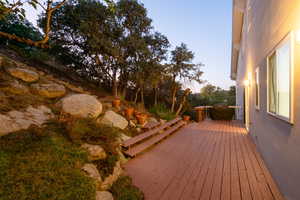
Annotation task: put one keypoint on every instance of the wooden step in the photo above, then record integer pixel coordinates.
(148, 134)
(145, 145)
(151, 125)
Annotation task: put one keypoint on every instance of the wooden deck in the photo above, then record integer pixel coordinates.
(208, 160)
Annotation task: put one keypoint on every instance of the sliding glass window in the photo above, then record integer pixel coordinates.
(279, 80)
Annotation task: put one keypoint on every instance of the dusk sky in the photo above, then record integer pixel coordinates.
(205, 26)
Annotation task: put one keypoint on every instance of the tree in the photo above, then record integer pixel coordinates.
(183, 101)
(17, 7)
(182, 67)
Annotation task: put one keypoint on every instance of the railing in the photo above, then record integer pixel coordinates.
(203, 111)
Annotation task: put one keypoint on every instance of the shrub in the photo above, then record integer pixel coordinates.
(162, 112)
(106, 167)
(221, 113)
(42, 166)
(87, 130)
(123, 189)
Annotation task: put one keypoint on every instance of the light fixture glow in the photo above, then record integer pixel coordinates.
(246, 83)
(297, 36)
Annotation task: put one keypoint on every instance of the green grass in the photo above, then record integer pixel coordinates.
(123, 189)
(42, 164)
(162, 112)
(87, 130)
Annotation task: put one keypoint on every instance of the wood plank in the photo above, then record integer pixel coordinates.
(234, 172)
(210, 160)
(148, 134)
(226, 181)
(149, 143)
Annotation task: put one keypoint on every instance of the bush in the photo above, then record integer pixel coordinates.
(42, 164)
(162, 112)
(123, 189)
(221, 113)
(87, 130)
(106, 167)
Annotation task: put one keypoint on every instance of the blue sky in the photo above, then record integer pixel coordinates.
(205, 26)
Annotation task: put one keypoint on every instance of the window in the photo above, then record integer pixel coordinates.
(257, 97)
(280, 66)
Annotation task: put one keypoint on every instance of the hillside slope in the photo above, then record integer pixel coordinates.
(58, 140)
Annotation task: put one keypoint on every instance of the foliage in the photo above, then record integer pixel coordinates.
(13, 24)
(181, 67)
(106, 167)
(87, 130)
(211, 95)
(162, 112)
(123, 189)
(221, 113)
(42, 164)
(18, 8)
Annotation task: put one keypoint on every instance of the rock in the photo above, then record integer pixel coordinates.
(17, 120)
(124, 137)
(152, 119)
(109, 181)
(38, 116)
(82, 105)
(162, 121)
(132, 124)
(104, 195)
(113, 119)
(96, 152)
(17, 88)
(122, 158)
(51, 90)
(92, 172)
(23, 74)
(7, 125)
(138, 130)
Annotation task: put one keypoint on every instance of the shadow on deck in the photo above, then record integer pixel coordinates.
(208, 160)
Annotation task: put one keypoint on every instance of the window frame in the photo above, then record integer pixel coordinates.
(289, 38)
(257, 88)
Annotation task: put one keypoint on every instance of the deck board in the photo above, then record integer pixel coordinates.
(208, 160)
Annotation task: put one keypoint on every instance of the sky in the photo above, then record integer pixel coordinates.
(205, 26)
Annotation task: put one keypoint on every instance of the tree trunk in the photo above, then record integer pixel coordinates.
(136, 95)
(181, 106)
(155, 96)
(142, 96)
(173, 98)
(115, 85)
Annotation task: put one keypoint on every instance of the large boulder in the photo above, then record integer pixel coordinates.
(113, 119)
(152, 120)
(109, 181)
(82, 105)
(51, 90)
(23, 74)
(7, 125)
(17, 120)
(95, 152)
(92, 172)
(104, 195)
(17, 88)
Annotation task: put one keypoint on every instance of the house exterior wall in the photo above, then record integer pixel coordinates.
(266, 23)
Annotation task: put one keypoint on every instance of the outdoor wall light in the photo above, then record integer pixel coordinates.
(246, 83)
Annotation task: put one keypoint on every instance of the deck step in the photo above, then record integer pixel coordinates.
(151, 125)
(148, 134)
(145, 145)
